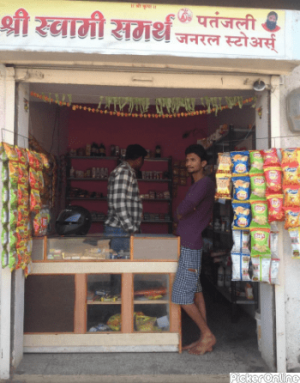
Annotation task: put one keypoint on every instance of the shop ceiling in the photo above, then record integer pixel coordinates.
(89, 94)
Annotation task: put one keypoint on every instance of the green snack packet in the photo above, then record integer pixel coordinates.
(260, 242)
(4, 257)
(5, 194)
(4, 235)
(4, 215)
(12, 240)
(256, 162)
(4, 172)
(258, 187)
(259, 210)
(13, 198)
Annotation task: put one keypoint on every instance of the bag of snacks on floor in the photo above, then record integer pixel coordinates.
(241, 188)
(260, 242)
(258, 187)
(242, 215)
(144, 323)
(114, 322)
(259, 210)
(240, 161)
(256, 162)
(275, 207)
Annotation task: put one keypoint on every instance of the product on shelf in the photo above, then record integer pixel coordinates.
(270, 157)
(275, 207)
(242, 215)
(290, 174)
(240, 162)
(259, 210)
(114, 322)
(256, 162)
(241, 191)
(292, 217)
(289, 155)
(273, 177)
(260, 242)
(291, 196)
(258, 186)
(261, 268)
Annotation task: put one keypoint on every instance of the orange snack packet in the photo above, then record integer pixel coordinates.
(292, 217)
(291, 196)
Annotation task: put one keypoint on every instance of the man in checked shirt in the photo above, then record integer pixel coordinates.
(124, 203)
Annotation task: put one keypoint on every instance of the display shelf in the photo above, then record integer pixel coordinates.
(86, 199)
(156, 200)
(158, 159)
(156, 221)
(151, 302)
(86, 179)
(157, 180)
(90, 302)
(93, 158)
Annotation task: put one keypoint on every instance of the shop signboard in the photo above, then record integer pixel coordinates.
(142, 29)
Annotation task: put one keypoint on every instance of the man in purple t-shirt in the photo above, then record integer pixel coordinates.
(194, 214)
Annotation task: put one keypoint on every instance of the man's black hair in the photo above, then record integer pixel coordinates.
(272, 13)
(197, 149)
(135, 151)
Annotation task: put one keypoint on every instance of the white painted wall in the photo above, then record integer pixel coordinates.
(292, 266)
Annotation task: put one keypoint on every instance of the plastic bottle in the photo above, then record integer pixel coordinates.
(102, 150)
(227, 276)
(221, 273)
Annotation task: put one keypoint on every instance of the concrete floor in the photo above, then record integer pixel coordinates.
(236, 351)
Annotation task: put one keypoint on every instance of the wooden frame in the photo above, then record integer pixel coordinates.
(80, 309)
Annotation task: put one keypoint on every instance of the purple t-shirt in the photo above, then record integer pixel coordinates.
(200, 196)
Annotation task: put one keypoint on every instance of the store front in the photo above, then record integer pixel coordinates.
(81, 79)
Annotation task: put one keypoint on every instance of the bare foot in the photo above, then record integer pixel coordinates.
(190, 345)
(204, 345)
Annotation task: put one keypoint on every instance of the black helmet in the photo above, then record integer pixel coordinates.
(74, 220)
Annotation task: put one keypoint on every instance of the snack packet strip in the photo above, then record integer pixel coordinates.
(224, 163)
(223, 186)
(242, 215)
(270, 157)
(273, 175)
(295, 242)
(259, 210)
(260, 242)
(289, 155)
(290, 174)
(258, 187)
(291, 196)
(292, 217)
(275, 207)
(240, 161)
(241, 188)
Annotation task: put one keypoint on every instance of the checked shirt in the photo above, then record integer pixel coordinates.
(124, 203)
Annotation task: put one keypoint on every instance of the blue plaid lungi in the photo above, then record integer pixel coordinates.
(187, 282)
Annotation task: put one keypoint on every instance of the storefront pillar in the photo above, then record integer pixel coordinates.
(7, 112)
(280, 308)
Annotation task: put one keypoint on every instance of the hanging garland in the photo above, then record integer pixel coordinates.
(213, 105)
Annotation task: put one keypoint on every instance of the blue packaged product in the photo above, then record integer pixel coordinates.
(242, 215)
(240, 161)
(241, 188)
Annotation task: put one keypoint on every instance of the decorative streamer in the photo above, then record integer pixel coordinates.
(141, 105)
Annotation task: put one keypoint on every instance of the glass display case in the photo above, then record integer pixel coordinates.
(104, 302)
(151, 302)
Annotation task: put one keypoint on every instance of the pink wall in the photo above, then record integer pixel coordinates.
(85, 127)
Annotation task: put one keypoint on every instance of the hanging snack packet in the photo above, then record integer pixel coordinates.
(292, 217)
(275, 207)
(274, 271)
(223, 186)
(13, 168)
(259, 210)
(240, 267)
(288, 156)
(242, 215)
(4, 235)
(256, 162)
(290, 174)
(241, 188)
(240, 162)
(10, 152)
(240, 241)
(270, 157)
(258, 187)
(291, 196)
(35, 201)
(23, 175)
(5, 175)
(261, 269)
(260, 242)
(34, 179)
(273, 177)
(4, 257)
(256, 269)
(295, 241)
(274, 244)
(22, 155)
(224, 163)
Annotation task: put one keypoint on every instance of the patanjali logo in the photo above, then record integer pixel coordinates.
(185, 15)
